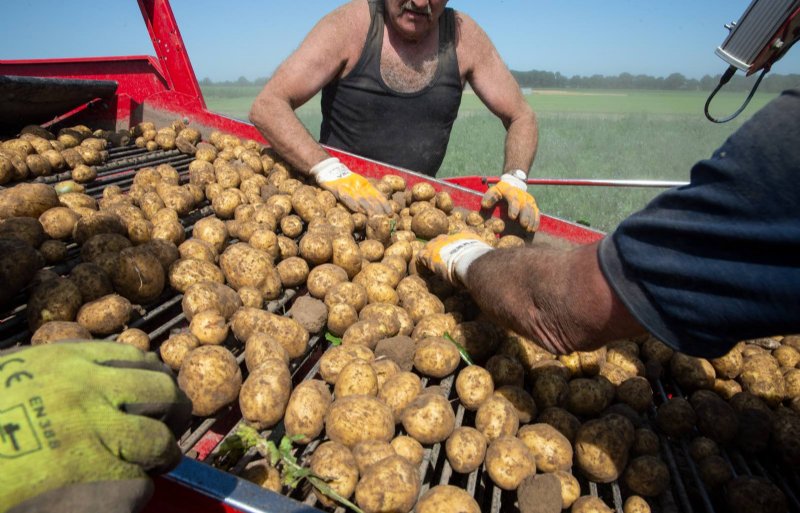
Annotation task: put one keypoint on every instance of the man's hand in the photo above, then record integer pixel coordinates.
(351, 189)
(449, 256)
(82, 424)
(520, 204)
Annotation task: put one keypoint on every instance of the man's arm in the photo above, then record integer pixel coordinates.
(559, 298)
(321, 57)
(492, 81)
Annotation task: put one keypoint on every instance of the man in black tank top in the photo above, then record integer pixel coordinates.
(391, 74)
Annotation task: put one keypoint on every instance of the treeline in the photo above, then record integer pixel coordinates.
(774, 83)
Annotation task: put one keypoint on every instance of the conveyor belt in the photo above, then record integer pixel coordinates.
(201, 441)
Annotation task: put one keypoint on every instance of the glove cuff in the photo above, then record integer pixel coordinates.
(460, 255)
(329, 170)
(512, 179)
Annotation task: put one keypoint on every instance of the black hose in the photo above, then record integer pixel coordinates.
(724, 80)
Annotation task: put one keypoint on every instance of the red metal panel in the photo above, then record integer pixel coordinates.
(171, 497)
(170, 49)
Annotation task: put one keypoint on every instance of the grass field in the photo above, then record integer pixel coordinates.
(582, 134)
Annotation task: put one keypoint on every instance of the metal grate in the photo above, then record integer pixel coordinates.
(200, 442)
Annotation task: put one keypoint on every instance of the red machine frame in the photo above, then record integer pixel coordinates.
(161, 89)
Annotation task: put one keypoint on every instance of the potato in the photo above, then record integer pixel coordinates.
(209, 327)
(590, 504)
(570, 488)
(263, 474)
(58, 222)
(211, 378)
(260, 347)
(288, 332)
(53, 251)
(26, 229)
(293, 272)
(393, 319)
(357, 418)
(761, 376)
(786, 438)
(175, 349)
(409, 449)
(601, 447)
(56, 331)
(586, 397)
(384, 368)
(436, 357)
(210, 295)
(139, 277)
(347, 255)
(211, 230)
(371, 250)
(429, 223)
(245, 266)
(356, 378)
(496, 417)
(716, 419)
(399, 391)
(551, 449)
(305, 412)
(136, 338)
(521, 400)
(647, 475)
(636, 393)
(428, 418)
(702, 447)
(447, 499)
(199, 250)
(334, 463)
(730, 365)
(27, 200)
(185, 272)
(645, 441)
(753, 494)
(509, 461)
(323, 277)
(105, 315)
(435, 325)
(422, 305)
(370, 452)
(474, 385)
(335, 358)
(550, 390)
(505, 371)
(714, 471)
(365, 333)
(466, 449)
(53, 300)
(265, 394)
(676, 417)
(101, 222)
(340, 317)
(393, 485)
(166, 252)
(692, 373)
(19, 262)
(347, 292)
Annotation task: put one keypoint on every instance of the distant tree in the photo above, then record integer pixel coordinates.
(675, 81)
(206, 81)
(242, 81)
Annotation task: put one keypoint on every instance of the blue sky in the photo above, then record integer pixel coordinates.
(233, 38)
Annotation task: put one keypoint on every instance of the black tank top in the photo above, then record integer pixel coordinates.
(362, 115)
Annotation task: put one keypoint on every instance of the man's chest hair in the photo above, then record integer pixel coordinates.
(410, 74)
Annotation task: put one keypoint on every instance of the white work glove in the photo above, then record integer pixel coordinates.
(514, 190)
(350, 188)
(449, 256)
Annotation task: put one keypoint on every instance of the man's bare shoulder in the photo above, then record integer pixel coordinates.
(471, 41)
(350, 20)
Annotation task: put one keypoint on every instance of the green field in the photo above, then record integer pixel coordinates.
(582, 134)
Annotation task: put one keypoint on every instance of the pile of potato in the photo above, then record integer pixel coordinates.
(533, 421)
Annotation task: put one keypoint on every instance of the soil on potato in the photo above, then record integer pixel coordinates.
(539, 494)
(400, 349)
(312, 314)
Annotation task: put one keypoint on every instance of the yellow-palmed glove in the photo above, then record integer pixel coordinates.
(521, 205)
(449, 256)
(352, 189)
(82, 424)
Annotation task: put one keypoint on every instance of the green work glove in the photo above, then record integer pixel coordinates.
(82, 424)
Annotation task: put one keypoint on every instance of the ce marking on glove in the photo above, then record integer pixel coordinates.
(14, 377)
